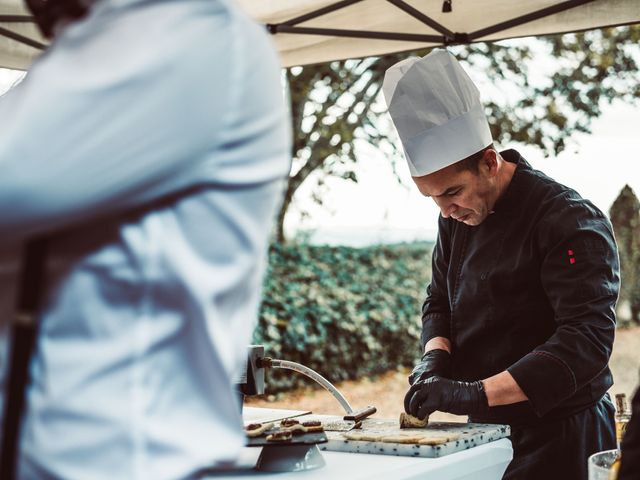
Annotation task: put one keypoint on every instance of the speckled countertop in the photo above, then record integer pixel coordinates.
(384, 437)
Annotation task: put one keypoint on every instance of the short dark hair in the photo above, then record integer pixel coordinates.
(471, 162)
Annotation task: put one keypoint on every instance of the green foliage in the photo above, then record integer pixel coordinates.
(539, 92)
(625, 218)
(344, 312)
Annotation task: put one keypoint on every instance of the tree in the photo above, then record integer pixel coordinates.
(625, 218)
(336, 105)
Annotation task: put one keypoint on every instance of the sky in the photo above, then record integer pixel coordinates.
(597, 165)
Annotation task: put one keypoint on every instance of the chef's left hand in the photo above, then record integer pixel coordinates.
(437, 393)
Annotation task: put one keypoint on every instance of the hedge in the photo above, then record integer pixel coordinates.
(345, 312)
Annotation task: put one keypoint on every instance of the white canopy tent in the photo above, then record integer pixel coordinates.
(315, 31)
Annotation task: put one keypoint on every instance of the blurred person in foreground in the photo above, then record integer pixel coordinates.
(149, 145)
(518, 322)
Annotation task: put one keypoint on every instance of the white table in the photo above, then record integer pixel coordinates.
(484, 462)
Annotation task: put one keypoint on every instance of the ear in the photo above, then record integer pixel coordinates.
(488, 165)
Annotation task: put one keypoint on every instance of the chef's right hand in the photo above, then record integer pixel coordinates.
(434, 362)
(437, 393)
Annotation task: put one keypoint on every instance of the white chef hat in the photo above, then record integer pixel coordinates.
(437, 111)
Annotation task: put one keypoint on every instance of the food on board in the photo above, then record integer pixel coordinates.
(257, 429)
(409, 421)
(284, 436)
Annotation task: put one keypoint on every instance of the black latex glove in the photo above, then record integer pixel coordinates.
(434, 362)
(437, 393)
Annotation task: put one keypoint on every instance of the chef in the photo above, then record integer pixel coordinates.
(149, 146)
(518, 321)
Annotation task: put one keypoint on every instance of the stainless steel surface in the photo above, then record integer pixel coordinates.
(250, 381)
(341, 426)
(312, 374)
(304, 439)
(295, 458)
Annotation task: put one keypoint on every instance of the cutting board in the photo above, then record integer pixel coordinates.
(435, 440)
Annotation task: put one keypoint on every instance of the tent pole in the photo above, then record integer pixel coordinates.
(321, 11)
(21, 38)
(422, 17)
(332, 32)
(530, 17)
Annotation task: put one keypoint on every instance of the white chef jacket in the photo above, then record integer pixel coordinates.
(150, 143)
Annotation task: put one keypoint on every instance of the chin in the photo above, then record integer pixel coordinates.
(473, 220)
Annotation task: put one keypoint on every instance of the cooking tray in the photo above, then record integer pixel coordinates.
(304, 439)
(298, 454)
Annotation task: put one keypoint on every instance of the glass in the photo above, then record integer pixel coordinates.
(600, 465)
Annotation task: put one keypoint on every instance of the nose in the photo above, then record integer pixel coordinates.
(446, 208)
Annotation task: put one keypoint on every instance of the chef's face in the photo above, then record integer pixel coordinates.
(465, 195)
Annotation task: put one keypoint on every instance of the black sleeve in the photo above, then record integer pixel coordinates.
(630, 462)
(436, 313)
(580, 275)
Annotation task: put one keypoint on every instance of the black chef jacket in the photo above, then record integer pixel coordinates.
(531, 290)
